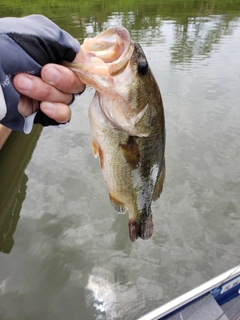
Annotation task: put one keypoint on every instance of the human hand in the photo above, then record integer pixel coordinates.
(34, 87)
(54, 90)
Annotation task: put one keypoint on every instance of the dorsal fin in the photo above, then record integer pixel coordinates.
(159, 185)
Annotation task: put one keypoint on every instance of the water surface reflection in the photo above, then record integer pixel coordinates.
(72, 258)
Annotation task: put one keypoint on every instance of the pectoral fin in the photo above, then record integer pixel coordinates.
(97, 151)
(159, 185)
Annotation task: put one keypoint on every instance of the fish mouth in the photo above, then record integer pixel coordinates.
(108, 53)
(140, 228)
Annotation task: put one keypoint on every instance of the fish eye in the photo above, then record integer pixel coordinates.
(142, 67)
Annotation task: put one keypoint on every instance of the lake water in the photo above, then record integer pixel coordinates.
(66, 253)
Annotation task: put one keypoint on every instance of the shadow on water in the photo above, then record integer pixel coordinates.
(14, 157)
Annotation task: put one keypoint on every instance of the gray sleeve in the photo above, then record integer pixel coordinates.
(26, 45)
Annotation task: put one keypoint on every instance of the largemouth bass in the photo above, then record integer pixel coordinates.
(127, 123)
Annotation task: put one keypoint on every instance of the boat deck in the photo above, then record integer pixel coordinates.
(207, 308)
(217, 299)
(232, 308)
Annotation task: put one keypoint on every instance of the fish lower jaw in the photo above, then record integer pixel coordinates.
(140, 228)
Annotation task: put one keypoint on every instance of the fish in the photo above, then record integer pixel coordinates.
(127, 124)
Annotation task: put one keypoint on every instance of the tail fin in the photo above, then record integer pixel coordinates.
(142, 229)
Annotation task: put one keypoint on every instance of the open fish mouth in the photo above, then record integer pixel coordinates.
(108, 53)
(139, 228)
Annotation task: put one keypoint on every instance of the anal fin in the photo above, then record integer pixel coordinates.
(117, 204)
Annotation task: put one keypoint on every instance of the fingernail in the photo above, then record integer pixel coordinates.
(47, 106)
(52, 75)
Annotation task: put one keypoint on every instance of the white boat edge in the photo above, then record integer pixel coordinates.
(191, 295)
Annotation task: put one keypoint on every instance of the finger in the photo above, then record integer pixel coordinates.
(62, 78)
(27, 106)
(58, 111)
(37, 89)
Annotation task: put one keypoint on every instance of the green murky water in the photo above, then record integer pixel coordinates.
(65, 252)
